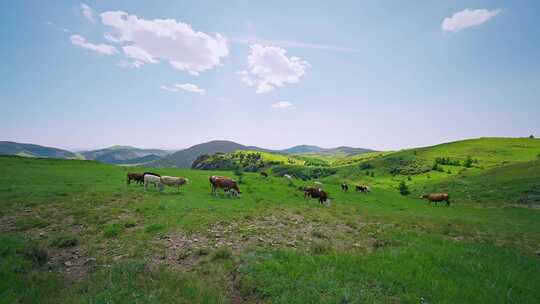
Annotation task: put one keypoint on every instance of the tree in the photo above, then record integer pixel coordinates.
(239, 173)
(403, 188)
(531, 136)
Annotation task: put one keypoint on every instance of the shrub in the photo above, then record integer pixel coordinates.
(36, 254)
(321, 248)
(222, 253)
(468, 162)
(63, 241)
(366, 166)
(403, 188)
(372, 174)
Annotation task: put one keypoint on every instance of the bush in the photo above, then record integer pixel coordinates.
(366, 166)
(222, 253)
(302, 172)
(403, 188)
(468, 162)
(372, 174)
(63, 241)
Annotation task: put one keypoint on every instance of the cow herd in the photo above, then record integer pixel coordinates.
(230, 186)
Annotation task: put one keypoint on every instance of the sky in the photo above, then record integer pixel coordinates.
(381, 74)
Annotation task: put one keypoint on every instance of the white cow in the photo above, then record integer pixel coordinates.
(152, 179)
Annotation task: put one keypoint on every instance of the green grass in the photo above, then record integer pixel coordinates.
(365, 248)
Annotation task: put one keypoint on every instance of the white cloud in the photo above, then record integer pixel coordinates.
(100, 48)
(467, 18)
(88, 12)
(269, 67)
(188, 87)
(293, 44)
(130, 64)
(150, 41)
(282, 105)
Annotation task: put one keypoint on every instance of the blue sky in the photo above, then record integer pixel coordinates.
(170, 74)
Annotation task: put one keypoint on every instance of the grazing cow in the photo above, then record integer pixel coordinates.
(152, 179)
(362, 188)
(437, 197)
(226, 183)
(344, 187)
(289, 178)
(316, 193)
(151, 173)
(172, 181)
(264, 174)
(137, 177)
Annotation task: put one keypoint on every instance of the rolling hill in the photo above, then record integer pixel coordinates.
(185, 158)
(31, 150)
(125, 155)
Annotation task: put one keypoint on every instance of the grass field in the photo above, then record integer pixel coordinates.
(73, 232)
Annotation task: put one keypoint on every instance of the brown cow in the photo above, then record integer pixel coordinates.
(137, 177)
(264, 174)
(362, 188)
(316, 193)
(437, 197)
(227, 184)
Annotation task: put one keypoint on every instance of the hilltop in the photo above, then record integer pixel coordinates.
(31, 150)
(125, 155)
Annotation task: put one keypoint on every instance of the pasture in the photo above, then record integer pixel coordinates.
(72, 231)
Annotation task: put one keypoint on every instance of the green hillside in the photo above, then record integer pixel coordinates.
(74, 232)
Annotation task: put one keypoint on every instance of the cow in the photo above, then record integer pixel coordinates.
(316, 193)
(437, 197)
(172, 181)
(362, 188)
(289, 178)
(344, 187)
(152, 179)
(137, 177)
(151, 173)
(264, 174)
(224, 182)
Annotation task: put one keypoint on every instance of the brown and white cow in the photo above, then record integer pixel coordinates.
(437, 197)
(226, 183)
(264, 174)
(362, 188)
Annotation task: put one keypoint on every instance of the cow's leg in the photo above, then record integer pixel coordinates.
(448, 202)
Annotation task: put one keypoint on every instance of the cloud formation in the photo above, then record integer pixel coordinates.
(188, 87)
(467, 18)
(101, 48)
(282, 105)
(150, 41)
(88, 12)
(269, 67)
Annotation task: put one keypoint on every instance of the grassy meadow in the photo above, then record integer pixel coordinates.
(72, 231)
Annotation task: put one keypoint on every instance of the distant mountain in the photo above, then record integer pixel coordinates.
(184, 158)
(31, 150)
(303, 149)
(125, 155)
